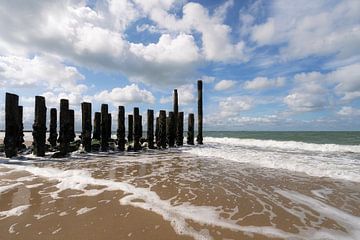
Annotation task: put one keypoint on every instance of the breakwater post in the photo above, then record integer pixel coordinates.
(97, 126)
(190, 132)
(86, 126)
(171, 129)
(199, 138)
(121, 128)
(162, 130)
(150, 128)
(64, 127)
(130, 128)
(20, 136)
(53, 127)
(11, 124)
(104, 140)
(137, 129)
(109, 126)
(180, 129)
(72, 125)
(39, 127)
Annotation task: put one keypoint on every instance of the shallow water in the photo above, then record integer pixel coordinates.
(185, 193)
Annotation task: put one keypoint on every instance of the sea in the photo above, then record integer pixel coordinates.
(237, 185)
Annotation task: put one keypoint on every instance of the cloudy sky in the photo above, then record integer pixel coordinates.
(266, 65)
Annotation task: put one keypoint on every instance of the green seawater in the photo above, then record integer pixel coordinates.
(321, 137)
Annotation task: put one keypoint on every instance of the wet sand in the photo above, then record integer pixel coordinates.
(170, 195)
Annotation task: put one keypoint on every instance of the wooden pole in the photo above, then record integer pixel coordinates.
(157, 138)
(97, 126)
(162, 129)
(121, 129)
(64, 126)
(53, 127)
(86, 126)
(141, 127)
(39, 127)
(109, 126)
(21, 141)
(137, 129)
(150, 128)
(190, 132)
(176, 107)
(180, 129)
(72, 125)
(104, 128)
(199, 138)
(171, 129)
(11, 125)
(130, 128)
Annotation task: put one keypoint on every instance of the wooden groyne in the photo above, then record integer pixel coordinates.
(96, 132)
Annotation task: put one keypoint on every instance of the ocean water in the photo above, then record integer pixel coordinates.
(238, 185)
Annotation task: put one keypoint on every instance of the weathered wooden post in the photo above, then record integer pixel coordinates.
(176, 108)
(53, 127)
(72, 125)
(180, 129)
(11, 125)
(21, 129)
(190, 132)
(162, 129)
(199, 138)
(86, 126)
(109, 126)
(157, 138)
(121, 129)
(130, 128)
(64, 139)
(97, 126)
(171, 129)
(150, 128)
(39, 127)
(137, 129)
(141, 126)
(104, 142)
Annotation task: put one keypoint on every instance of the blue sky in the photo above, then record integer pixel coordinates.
(266, 65)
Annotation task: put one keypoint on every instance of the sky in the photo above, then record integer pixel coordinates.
(266, 65)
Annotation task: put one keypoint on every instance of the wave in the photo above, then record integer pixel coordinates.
(319, 160)
(284, 145)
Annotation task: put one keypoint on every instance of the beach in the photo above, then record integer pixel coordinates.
(228, 188)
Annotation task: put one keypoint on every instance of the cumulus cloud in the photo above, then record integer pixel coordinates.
(260, 83)
(224, 85)
(349, 111)
(233, 105)
(128, 94)
(314, 28)
(186, 95)
(347, 81)
(38, 71)
(309, 94)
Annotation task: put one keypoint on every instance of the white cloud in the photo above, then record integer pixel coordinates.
(186, 95)
(311, 28)
(39, 70)
(264, 33)
(207, 79)
(233, 105)
(260, 83)
(348, 81)
(128, 94)
(309, 94)
(224, 85)
(349, 111)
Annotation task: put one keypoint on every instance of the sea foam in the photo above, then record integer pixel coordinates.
(320, 160)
